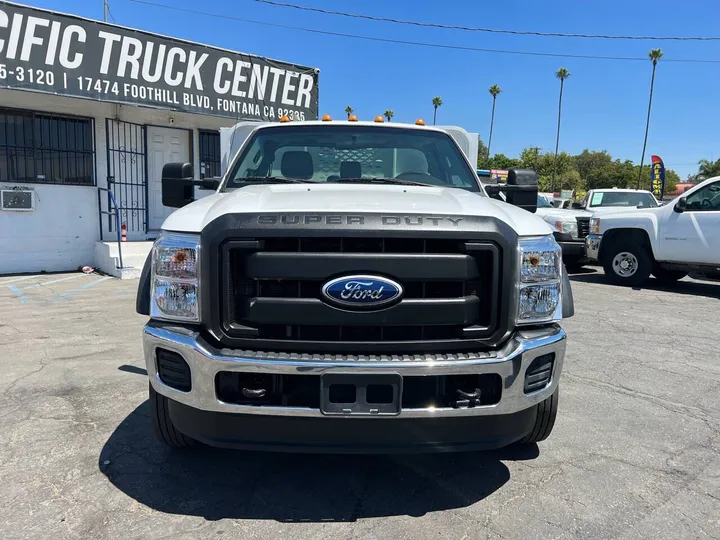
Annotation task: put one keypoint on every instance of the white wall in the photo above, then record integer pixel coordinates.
(60, 234)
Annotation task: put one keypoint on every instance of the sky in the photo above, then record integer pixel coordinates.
(604, 102)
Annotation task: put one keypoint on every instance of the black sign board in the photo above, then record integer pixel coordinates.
(70, 56)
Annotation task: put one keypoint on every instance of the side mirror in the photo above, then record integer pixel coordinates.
(522, 189)
(576, 206)
(681, 205)
(178, 184)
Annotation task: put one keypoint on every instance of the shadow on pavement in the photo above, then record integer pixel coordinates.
(692, 288)
(133, 369)
(217, 484)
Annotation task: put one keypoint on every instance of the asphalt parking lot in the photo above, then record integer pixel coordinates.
(635, 453)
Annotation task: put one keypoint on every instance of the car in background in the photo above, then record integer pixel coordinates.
(571, 227)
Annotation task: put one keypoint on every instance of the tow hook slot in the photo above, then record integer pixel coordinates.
(254, 393)
(467, 399)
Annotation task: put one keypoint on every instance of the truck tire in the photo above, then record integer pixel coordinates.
(162, 424)
(545, 419)
(628, 264)
(667, 277)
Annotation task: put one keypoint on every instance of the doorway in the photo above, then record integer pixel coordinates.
(164, 145)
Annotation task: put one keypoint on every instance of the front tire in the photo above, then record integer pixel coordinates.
(162, 424)
(627, 264)
(545, 419)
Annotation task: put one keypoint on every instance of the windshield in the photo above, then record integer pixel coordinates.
(357, 154)
(623, 198)
(542, 202)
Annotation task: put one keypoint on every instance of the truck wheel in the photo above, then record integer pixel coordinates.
(667, 277)
(545, 419)
(627, 264)
(163, 426)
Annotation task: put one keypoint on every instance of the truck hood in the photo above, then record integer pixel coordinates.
(356, 198)
(560, 214)
(612, 210)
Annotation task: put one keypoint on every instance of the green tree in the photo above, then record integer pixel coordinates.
(482, 160)
(501, 161)
(389, 113)
(561, 74)
(707, 169)
(348, 110)
(672, 179)
(437, 102)
(530, 158)
(654, 55)
(494, 92)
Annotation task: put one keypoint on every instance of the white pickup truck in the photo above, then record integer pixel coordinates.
(351, 287)
(667, 241)
(601, 201)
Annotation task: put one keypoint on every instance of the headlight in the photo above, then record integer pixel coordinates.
(568, 227)
(175, 278)
(595, 225)
(540, 293)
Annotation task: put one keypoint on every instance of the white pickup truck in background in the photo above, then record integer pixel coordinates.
(667, 241)
(601, 201)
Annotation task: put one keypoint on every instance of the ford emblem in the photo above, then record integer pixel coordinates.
(362, 292)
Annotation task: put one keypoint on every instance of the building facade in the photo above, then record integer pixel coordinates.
(90, 113)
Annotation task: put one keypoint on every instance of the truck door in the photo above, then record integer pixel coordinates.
(693, 235)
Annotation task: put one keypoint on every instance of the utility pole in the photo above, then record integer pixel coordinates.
(106, 10)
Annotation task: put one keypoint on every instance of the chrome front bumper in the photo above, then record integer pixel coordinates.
(510, 362)
(592, 246)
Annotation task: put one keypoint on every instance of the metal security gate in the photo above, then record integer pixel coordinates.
(127, 173)
(209, 153)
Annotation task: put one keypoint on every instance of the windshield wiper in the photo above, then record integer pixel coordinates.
(378, 181)
(270, 180)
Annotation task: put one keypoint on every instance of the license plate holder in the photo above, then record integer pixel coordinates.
(360, 395)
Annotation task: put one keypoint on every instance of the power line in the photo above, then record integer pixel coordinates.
(419, 43)
(475, 29)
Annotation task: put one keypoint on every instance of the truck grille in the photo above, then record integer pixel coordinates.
(272, 292)
(583, 226)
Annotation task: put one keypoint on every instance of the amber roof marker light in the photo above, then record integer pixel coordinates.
(284, 119)
(419, 122)
(326, 118)
(352, 118)
(379, 119)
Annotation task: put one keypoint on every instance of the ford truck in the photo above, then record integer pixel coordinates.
(350, 287)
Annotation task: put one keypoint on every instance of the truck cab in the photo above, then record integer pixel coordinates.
(602, 201)
(666, 241)
(350, 287)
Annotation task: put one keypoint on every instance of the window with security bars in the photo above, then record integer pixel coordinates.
(46, 148)
(209, 154)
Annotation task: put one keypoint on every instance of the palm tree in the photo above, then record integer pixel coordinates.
(707, 169)
(654, 55)
(389, 114)
(494, 91)
(348, 110)
(561, 74)
(437, 101)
